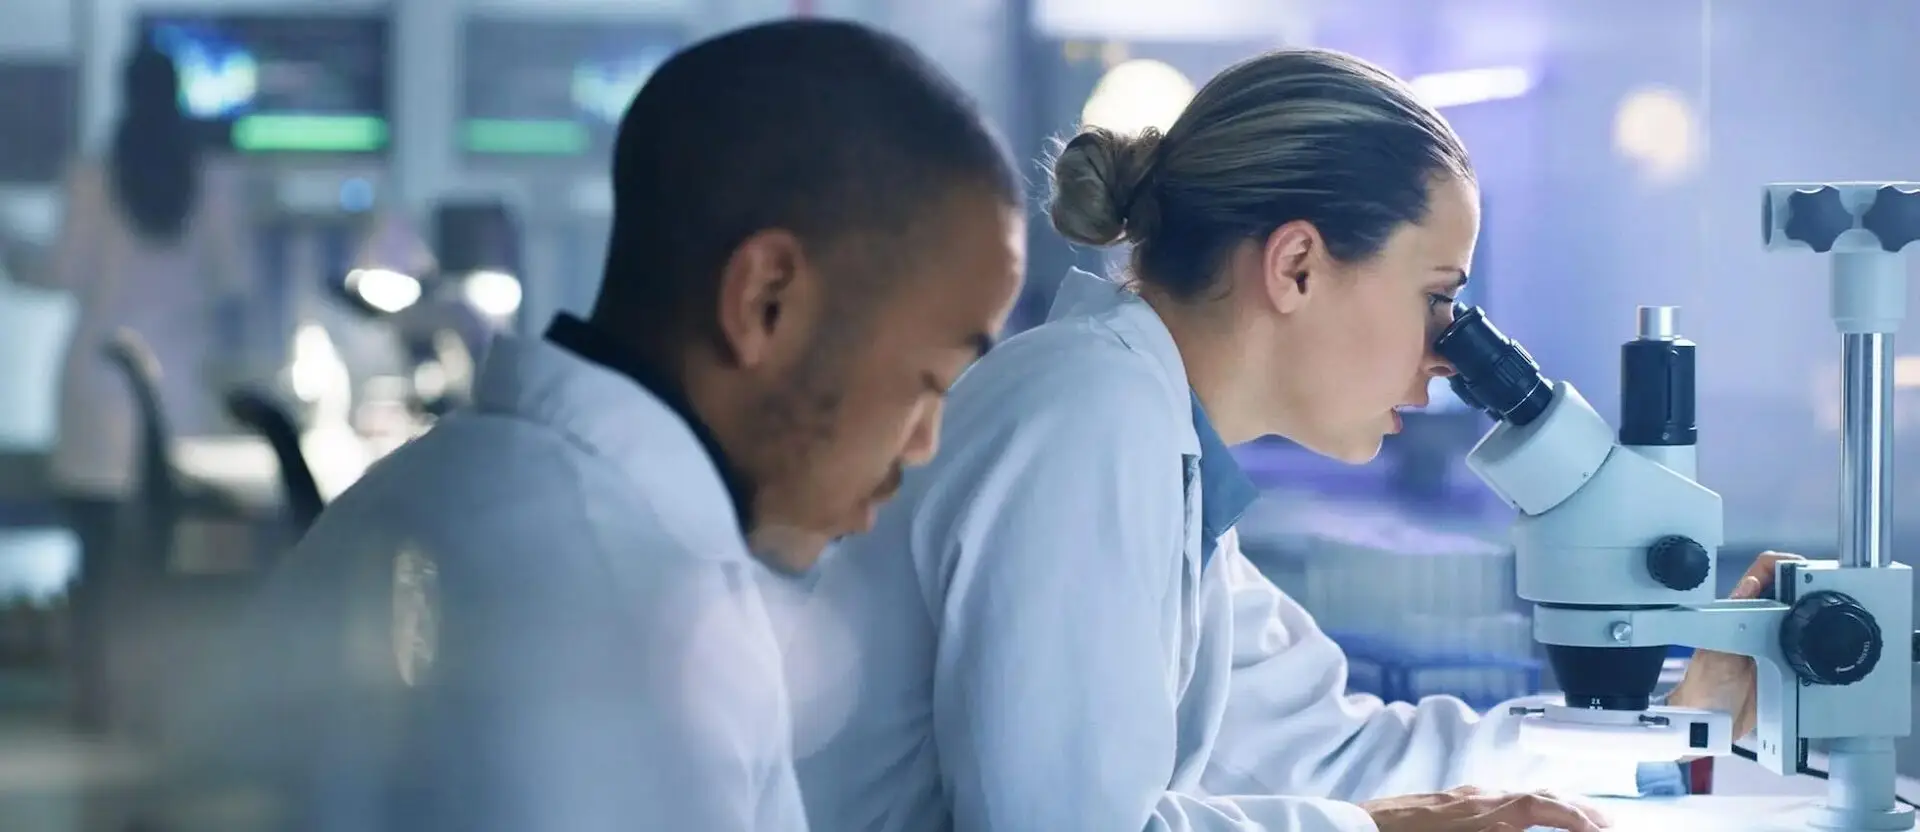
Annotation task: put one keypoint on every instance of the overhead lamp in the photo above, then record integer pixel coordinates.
(382, 291)
(493, 292)
(1136, 95)
(1459, 88)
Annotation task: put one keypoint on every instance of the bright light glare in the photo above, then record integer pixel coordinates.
(1657, 128)
(1136, 95)
(317, 371)
(494, 293)
(384, 289)
(430, 380)
(1471, 86)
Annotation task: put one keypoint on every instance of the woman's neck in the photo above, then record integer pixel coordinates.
(1223, 371)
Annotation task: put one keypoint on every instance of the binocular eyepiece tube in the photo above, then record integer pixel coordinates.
(1492, 373)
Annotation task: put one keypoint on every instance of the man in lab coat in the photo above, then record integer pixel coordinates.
(542, 615)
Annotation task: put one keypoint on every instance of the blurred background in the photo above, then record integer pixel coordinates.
(383, 184)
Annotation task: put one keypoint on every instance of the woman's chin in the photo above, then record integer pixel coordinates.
(1360, 454)
(1352, 450)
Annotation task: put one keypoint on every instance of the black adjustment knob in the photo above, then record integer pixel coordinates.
(1829, 639)
(1678, 562)
(1817, 217)
(1894, 217)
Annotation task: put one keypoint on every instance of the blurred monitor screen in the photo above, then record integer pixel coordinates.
(40, 131)
(267, 83)
(555, 89)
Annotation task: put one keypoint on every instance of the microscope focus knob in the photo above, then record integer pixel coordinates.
(1829, 639)
(1679, 563)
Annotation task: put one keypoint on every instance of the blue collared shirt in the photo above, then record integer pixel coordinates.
(1226, 492)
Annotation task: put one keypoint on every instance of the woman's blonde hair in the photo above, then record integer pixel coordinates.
(1296, 134)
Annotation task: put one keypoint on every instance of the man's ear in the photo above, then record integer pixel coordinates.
(767, 298)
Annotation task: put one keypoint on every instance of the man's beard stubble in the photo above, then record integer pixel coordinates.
(792, 424)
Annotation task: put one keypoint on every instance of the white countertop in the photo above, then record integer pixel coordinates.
(1710, 813)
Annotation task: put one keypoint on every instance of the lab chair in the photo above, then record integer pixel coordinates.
(142, 610)
(265, 415)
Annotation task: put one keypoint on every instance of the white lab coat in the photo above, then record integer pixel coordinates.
(1036, 645)
(589, 652)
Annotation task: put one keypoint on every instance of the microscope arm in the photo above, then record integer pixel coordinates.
(1833, 657)
(1748, 628)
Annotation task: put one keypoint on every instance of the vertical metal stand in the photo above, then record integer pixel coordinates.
(1866, 450)
(1861, 771)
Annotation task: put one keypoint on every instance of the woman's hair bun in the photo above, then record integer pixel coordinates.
(1098, 197)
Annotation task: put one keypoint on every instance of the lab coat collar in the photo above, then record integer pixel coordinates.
(1226, 491)
(1083, 294)
(622, 422)
(580, 338)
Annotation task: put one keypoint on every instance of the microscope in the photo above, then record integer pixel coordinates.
(1615, 540)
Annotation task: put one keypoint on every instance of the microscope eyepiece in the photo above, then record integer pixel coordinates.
(1491, 371)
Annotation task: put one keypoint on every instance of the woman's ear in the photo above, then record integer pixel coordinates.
(1287, 260)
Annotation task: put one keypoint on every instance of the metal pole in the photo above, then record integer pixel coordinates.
(1866, 446)
(1860, 786)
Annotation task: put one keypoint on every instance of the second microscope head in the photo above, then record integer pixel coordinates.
(1583, 536)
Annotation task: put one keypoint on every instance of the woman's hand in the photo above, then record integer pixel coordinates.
(1723, 681)
(1468, 809)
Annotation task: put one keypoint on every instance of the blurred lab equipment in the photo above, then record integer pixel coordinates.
(542, 100)
(290, 112)
(1418, 610)
(478, 243)
(128, 630)
(35, 151)
(299, 100)
(35, 154)
(441, 307)
(37, 322)
(1615, 539)
(260, 412)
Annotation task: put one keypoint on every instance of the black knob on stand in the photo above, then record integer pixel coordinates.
(1894, 217)
(1817, 217)
(1829, 639)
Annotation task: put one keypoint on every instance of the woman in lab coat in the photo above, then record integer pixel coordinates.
(151, 243)
(1054, 625)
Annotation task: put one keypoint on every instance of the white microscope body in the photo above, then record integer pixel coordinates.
(1615, 540)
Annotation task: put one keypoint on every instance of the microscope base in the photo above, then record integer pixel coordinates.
(1830, 819)
(1860, 788)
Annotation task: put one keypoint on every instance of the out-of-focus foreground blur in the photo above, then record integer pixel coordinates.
(389, 182)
